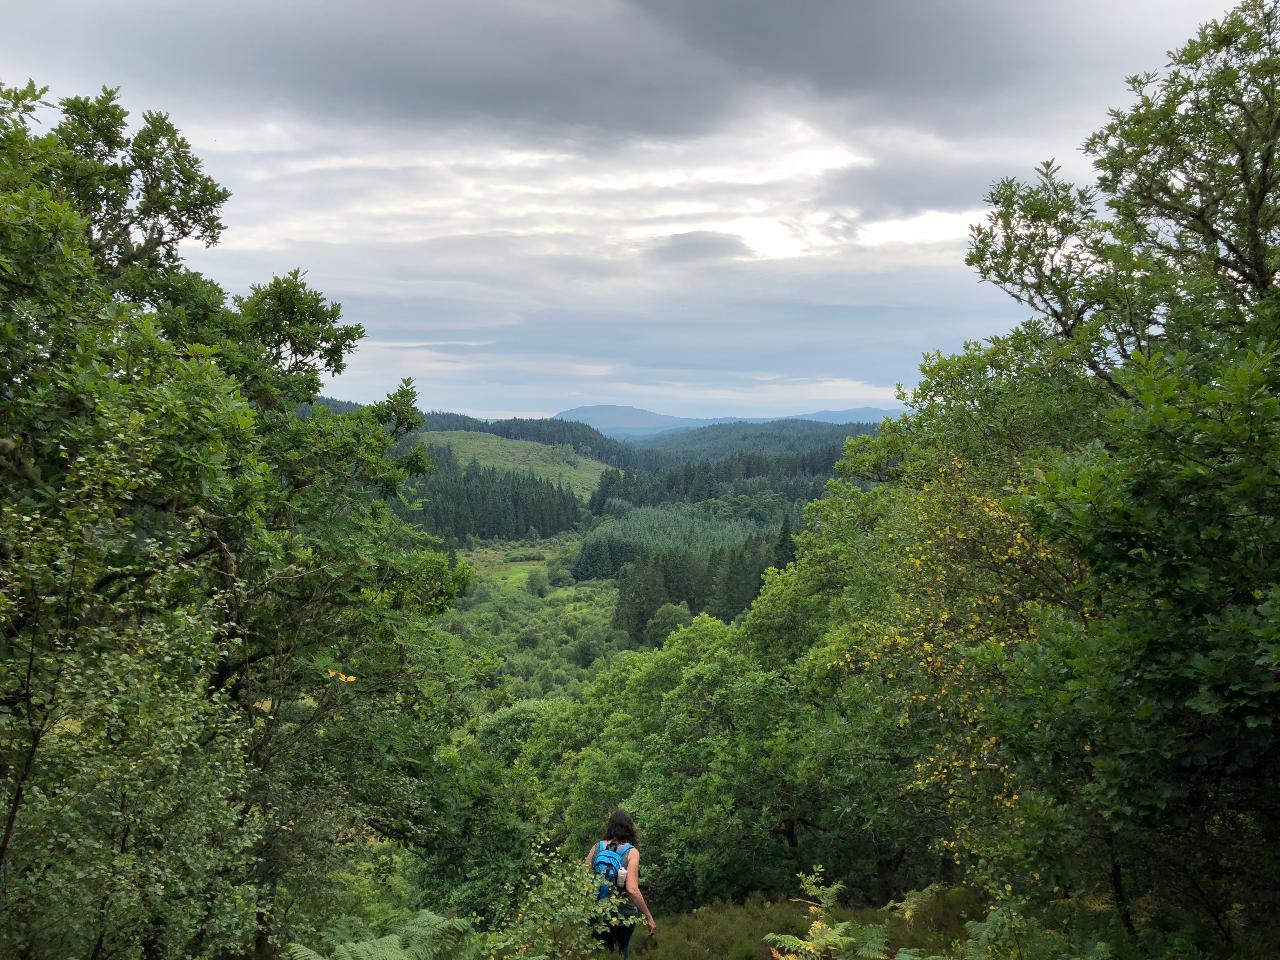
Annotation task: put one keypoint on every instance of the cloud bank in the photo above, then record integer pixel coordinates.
(721, 207)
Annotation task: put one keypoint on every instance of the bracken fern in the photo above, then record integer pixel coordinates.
(428, 936)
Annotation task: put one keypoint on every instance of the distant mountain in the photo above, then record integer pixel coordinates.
(629, 423)
(852, 415)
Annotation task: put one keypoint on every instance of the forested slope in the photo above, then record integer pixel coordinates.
(558, 464)
(460, 501)
(584, 439)
(775, 438)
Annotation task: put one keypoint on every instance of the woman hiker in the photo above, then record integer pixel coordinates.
(616, 861)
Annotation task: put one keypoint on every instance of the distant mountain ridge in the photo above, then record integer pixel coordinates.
(628, 423)
(631, 438)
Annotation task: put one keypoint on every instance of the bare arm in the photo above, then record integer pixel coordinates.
(633, 888)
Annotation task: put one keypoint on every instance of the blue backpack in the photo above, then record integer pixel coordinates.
(606, 863)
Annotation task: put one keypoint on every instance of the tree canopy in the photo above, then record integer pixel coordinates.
(205, 602)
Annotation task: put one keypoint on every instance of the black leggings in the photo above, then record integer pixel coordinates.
(617, 937)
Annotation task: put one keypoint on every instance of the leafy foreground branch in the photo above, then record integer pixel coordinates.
(216, 671)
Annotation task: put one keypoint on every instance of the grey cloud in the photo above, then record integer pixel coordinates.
(698, 245)
(902, 185)
(542, 70)
(943, 63)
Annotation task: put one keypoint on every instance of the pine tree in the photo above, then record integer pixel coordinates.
(784, 550)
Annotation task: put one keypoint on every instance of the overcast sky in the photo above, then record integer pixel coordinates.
(703, 207)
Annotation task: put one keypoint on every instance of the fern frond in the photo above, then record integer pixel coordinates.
(873, 941)
(384, 948)
(788, 944)
(429, 936)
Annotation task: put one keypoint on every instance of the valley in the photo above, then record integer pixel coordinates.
(645, 551)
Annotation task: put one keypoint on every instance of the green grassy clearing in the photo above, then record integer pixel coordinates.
(580, 474)
(509, 562)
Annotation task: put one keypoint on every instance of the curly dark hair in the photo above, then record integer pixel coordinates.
(620, 827)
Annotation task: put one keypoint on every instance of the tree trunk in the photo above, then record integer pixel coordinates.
(1117, 887)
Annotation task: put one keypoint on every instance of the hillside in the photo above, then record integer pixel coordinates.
(851, 415)
(634, 423)
(631, 422)
(560, 464)
(775, 438)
